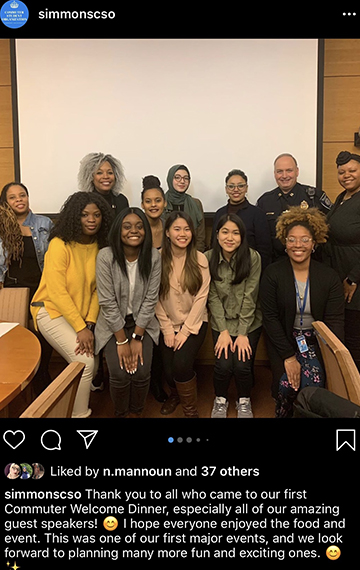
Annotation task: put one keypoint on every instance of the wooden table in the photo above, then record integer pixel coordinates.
(20, 354)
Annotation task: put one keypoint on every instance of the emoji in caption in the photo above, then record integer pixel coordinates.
(110, 523)
(333, 552)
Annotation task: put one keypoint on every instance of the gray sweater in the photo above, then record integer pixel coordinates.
(113, 294)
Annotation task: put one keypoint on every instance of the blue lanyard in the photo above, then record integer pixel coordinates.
(301, 306)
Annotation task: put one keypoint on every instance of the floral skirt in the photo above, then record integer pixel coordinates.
(312, 374)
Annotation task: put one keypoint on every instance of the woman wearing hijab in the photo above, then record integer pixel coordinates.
(177, 199)
(342, 250)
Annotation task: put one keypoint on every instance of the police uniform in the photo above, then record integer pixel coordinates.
(274, 202)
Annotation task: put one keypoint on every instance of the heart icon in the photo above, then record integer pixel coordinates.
(14, 438)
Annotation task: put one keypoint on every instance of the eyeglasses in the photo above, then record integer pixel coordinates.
(304, 239)
(232, 187)
(178, 178)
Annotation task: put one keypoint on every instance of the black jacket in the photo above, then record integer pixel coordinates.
(278, 304)
(117, 202)
(342, 250)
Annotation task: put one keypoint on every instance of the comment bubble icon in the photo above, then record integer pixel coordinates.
(51, 440)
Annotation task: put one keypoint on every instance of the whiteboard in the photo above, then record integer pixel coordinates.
(211, 104)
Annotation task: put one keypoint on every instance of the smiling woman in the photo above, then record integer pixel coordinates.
(181, 310)
(128, 279)
(342, 251)
(294, 292)
(65, 306)
(178, 180)
(23, 239)
(103, 174)
(235, 317)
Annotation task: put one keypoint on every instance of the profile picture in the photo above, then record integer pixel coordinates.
(38, 471)
(26, 471)
(12, 471)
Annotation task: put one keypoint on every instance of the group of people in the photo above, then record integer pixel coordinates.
(138, 287)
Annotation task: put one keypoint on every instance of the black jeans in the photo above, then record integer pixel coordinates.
(178, 365)
(128, 391)
(243, 372)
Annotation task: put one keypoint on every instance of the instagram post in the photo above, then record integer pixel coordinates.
(179, 243)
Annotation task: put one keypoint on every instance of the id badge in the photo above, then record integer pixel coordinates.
(302, 344)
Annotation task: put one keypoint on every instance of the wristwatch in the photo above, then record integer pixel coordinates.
(349, 282)
(137, 337)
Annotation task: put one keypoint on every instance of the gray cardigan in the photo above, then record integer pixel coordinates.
(113, 293)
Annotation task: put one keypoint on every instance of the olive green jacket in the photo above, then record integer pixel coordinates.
(235, 308)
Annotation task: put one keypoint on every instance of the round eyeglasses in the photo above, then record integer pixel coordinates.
(304, 239)
(178, 178)
(232, 187)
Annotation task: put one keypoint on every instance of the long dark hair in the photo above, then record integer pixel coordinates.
(68, 225)
(117, 246)
(242, 255)
(191, 278)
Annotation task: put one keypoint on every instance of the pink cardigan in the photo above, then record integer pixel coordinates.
(180, 310)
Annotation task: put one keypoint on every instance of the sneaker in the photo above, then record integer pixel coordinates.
(243, 406)
(220, 407)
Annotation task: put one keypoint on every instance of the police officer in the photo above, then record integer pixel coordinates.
(289, 192)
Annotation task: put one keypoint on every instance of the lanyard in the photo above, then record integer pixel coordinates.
(301, 306)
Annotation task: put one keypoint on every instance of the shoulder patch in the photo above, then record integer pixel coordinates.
(325, 201)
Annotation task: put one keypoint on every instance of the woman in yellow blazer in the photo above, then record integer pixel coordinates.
(181, 310)
(65, 306)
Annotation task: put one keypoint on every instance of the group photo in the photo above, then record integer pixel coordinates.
(194, 274)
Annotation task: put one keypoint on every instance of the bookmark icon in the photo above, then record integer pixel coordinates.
(345, 437)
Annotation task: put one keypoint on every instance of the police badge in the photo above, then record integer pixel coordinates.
(304, 205)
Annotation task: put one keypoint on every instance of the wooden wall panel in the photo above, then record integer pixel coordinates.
(6, 130)
(5, 73)
(341, 108)
(342, 57)
(7, 173)
(6, 124)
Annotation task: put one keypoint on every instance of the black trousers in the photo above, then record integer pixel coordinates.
(243, 372)
(128, 391)
(178, 365)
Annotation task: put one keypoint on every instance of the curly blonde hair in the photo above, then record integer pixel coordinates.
(10, 235)
(311, 219)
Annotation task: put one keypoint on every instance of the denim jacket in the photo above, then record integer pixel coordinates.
(40, 227)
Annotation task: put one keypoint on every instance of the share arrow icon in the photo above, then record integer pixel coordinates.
(88, 436)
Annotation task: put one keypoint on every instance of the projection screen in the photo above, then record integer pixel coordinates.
(211, 104)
